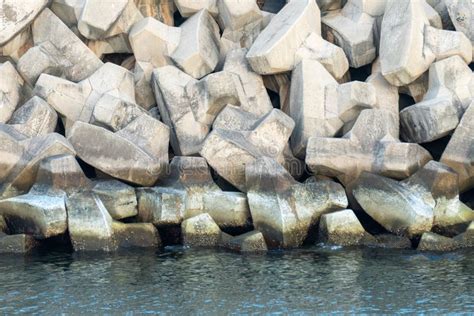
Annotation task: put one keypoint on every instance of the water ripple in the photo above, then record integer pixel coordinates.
(302, 281)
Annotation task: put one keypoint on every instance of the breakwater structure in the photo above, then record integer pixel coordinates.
(215, 123)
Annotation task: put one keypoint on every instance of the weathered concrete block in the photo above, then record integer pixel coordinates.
(438, 184)
(189, 190)
(393, 205)
(434, 242)
(228, 209)
(352, 28)
(68, 11)
(416, 89)
(187, 134)
(440, 7)
(17, 15)
(91, 227)
(466, 239)
(11, 152)
(106, 98)
(432, 15)
(188, 8)
(89, 223)
(18, 45)
(460, 12)
(332, 57)
(458, 154)
(257, 99)
(200, 231)
(403, 63)
(235, 15)
(62, 172)
(450, 93)
(34, 118)
(271, 132)
(342, 228)
(245, 35)
(284, 210)
(142, 74)
(320, 106)
(97, 17)
(192, 174)
(121, 28)
(274, 49)
(152, 43)
(250, 242)
(11, 84)
(114, 113)
(41, 214)
(23, 157)
(20, 243)
(135, 235)
(118, 198)
(161, 206)
(197, 53)
(428, 120)
(427, 200)
(137, 153)
(445, 44)
(228, 151)
(386, 94)
(234, 119)
(373, 146)
(211, 94)
(57, 51)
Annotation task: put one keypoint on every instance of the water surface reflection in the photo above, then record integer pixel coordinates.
(206, 281)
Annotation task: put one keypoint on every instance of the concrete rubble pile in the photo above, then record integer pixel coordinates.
(213, 123)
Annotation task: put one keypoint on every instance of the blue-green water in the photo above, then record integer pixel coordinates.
(182, 281)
